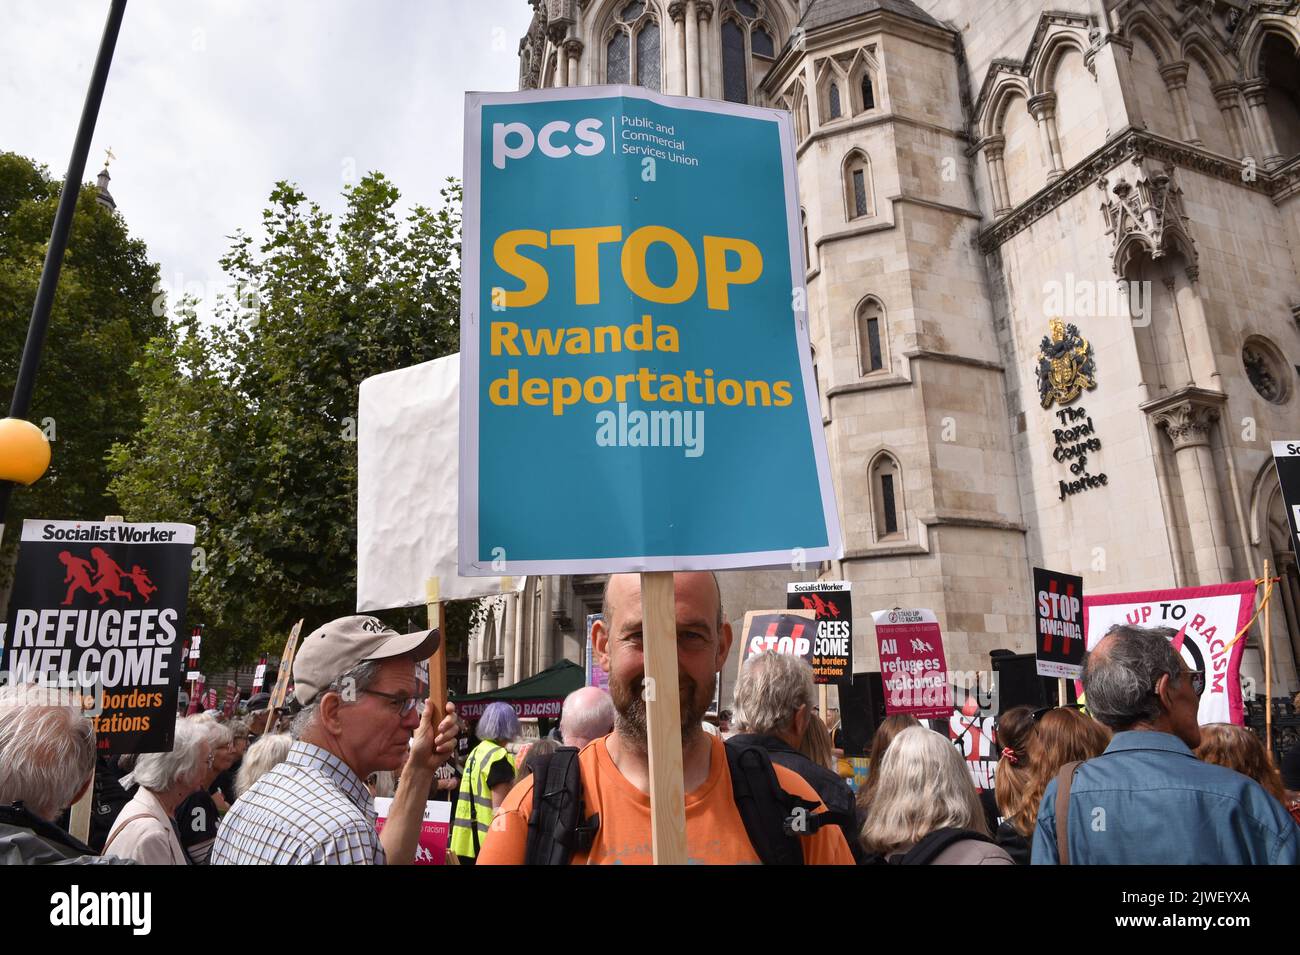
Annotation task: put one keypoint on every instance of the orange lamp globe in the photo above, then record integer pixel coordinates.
(24, 451)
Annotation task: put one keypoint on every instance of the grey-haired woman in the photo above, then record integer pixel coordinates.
(143, 831)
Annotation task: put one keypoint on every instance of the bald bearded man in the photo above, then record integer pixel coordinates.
(615, 770)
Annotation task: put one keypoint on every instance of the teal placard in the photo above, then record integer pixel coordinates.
(636, 382)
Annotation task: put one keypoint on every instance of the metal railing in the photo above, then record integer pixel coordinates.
(1286, 725)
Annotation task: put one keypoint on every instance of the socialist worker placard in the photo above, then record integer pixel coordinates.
(98, 609)
(832, 601)
(636, 382)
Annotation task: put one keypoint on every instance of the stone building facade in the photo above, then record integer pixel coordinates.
(969, 171)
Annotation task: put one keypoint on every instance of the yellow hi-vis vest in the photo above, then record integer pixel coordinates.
(474, 804)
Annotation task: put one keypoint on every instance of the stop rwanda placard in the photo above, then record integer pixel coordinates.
(636, 381)
(97, 609)
(1058, 607)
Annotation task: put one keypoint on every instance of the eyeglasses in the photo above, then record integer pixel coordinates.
(1196, 676)
(404, 703)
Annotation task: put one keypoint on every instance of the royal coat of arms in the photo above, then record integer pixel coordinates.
(1065, 365)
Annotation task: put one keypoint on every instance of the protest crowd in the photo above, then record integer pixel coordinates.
(1129, 778)
(559, 418)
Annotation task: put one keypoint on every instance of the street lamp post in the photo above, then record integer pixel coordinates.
(40, 321)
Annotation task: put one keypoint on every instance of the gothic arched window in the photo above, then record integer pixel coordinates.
(618, 58)
(860, 78)
(632, 52)
(735, 78)
(858, 200)
(647, 56)
(834, 91)
(872, 353)
(748, 46)
(886, 496)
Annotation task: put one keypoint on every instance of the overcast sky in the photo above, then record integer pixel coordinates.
(209, 102)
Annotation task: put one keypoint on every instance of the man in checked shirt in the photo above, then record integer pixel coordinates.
(362, 708)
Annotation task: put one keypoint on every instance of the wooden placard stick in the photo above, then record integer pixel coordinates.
(663, 718)
(79, 823)
(79, 818)
(1268, 665)
(282, 678)
(437, 662)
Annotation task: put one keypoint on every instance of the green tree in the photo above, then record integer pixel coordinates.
(105, 311)
(250, 422)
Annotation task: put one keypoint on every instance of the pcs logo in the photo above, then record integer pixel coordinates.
(517, 140)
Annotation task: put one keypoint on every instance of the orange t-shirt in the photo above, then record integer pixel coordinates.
(715, 834)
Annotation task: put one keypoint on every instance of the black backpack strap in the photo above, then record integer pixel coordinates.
(557, 824)
(925, 851)
(774, 819)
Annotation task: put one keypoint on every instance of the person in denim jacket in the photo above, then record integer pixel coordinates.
(1147, 799)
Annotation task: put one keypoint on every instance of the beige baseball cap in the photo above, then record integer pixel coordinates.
(338, 646)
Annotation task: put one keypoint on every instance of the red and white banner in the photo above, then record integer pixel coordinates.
(1205, 620)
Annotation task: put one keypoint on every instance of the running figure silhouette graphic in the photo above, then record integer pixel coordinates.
(143, 585)
(109, 579)
(814, 603)
(77, 577)
(103, 578)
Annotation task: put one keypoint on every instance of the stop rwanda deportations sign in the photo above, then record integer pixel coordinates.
(636, 383)
(99, 608)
